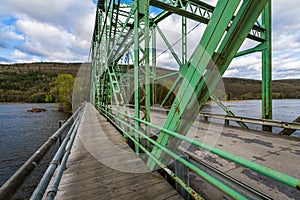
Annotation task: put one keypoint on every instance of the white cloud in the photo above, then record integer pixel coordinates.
(49, 41)
(18, 54)
(8, 36)
(61, 30)
(231, 72)
(56, 30)
(166, 60)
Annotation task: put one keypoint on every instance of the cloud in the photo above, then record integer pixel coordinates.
(61, 30)
(50, 42)
(286, 44)
(57, 30)
(8, 36)
(5, 60)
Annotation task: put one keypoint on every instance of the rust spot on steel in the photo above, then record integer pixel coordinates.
(177, 110)
(190, 190)
(298, 186)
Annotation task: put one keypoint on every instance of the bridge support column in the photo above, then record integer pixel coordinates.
(153, 30)
(147, 68)
(267, 67)
(136, 72)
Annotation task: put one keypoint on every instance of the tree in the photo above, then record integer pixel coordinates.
(48, 98)
(61, 89)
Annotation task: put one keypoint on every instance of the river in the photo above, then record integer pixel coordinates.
(22, 132)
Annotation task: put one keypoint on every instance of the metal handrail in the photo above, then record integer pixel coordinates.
(10, 187)
(283, 178)
(267, 122)
(194, 168)
(62, 154)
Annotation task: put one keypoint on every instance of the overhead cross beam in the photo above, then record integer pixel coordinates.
(198, 11)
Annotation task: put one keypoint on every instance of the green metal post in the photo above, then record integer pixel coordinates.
(267, 66)
(147, 68)
(153, 65)
(136, 72)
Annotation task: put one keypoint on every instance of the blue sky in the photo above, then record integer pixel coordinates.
(61, 30)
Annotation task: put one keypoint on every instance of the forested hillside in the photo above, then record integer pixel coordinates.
(31, 83)
(251, 89)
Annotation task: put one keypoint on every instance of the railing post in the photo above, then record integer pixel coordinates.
(226, 122)
(182, 172)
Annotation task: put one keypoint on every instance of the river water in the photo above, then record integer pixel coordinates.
(22, 132)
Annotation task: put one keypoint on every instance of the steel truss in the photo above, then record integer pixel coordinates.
(125, 39)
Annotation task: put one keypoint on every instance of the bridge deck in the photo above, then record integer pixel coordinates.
(102, 166)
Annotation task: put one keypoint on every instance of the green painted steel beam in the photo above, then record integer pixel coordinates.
(169, 45)
(220, 19)
(202, 84)
(258, 48)
(173, 8)
(221, 186)
(136, 72)
(226, 109)
(167, 75)
(147, 67)
(267, 67)
(121, 38)
(153, 65)
(199, 11)
(278, 176)
(120, 30)
(163, 15)
(227, 50)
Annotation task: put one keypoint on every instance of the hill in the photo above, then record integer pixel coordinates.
(31, 82)
(237, 88)
(242, 89)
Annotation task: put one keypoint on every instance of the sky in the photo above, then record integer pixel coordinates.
(61, 31)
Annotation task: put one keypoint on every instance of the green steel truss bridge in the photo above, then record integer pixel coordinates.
(125, 69)
(125, 98)
(124, 60)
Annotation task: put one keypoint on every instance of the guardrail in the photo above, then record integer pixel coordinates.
(264, 122)
(288, 127)
(117, 118)
(10, 187)
(59, 162)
